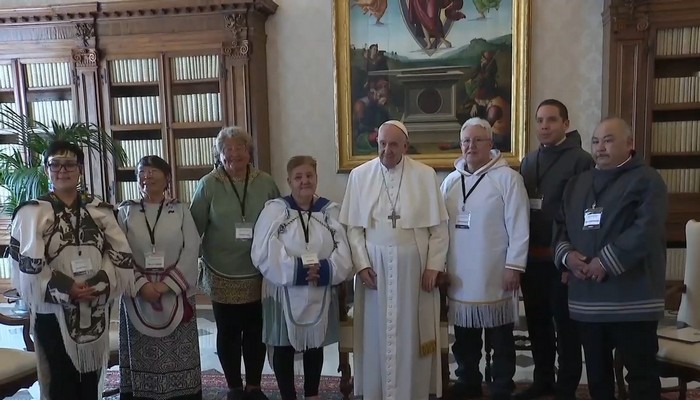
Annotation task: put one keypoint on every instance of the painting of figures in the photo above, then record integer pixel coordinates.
(431, 64)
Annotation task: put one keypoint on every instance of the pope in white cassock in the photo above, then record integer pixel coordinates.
(397, 229)
(489, 233)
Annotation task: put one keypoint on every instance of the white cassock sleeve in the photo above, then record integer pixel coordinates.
(437, 246)
(184, 275)
(517, 219)
(358, 248)
(439, 240)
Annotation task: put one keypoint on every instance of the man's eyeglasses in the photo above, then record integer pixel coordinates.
(476, 141)
(68, 167)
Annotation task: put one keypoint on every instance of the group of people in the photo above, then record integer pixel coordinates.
(585, 246)
(580, 234)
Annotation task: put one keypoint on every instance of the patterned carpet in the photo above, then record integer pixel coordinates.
(214, 385)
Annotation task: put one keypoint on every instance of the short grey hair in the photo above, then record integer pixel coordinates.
(235, 133)
(626, 128)
(476, 121)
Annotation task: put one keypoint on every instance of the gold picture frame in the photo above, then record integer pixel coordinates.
(429, 94)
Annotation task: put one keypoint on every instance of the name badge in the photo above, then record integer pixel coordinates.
(309, 258)
(81, 266)
(591, 218)
(536, 203)
(464, 220)
(155, 262)
(244, 231)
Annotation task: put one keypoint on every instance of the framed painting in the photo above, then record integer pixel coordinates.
(431, 64)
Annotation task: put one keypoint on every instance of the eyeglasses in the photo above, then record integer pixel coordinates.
(68, 167)
(476, 141)
(143, 174)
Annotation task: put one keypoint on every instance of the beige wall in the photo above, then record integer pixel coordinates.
(565, 63)
(566, 50)
(566, 60)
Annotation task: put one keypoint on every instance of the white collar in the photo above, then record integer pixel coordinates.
(624, 162)
(557, 143)
(621, 164)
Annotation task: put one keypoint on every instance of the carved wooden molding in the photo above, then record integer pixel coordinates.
(627, 14)
(239, 47)
(85, 57)
(47, 14)
(630, 7)
(643, 22)
(130, 9)
(85, 31)
(120, 12)
(36, 32)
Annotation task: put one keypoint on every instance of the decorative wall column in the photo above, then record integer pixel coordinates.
(87, 86)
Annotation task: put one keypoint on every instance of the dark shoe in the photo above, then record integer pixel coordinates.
(236, 394)
(565, 394)
(535, 391)
(255, 394)
(461, 390)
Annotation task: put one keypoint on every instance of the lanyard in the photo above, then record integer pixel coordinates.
(465, 196)
(152, 231)
(245, 189)
(538, 178)
(305, 226)
(598, 193)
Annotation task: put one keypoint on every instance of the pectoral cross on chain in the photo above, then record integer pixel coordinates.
(393, 217)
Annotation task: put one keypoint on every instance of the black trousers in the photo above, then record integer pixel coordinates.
(547, 312)
(467, 350)
(66, 382)
(283, 364)
(239, 329)
(637, 343)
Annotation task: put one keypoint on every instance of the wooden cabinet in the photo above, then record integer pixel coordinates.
(161, 76)
(652, 79)
(167, 105)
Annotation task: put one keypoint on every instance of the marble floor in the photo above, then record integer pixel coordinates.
(11, 336)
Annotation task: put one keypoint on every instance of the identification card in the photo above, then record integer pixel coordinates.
(309, 258)
(244, 231)
(81, 266)
(464, 220)
(591, 218)
(155, 262)
(536, 203)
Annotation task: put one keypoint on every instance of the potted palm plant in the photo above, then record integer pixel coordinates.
(21, 168)
(22, 171)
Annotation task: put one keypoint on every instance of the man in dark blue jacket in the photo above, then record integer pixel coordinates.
(610, 235)
(546, 171)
